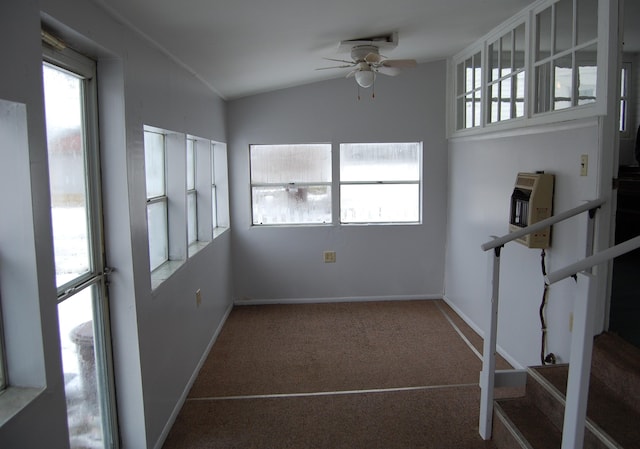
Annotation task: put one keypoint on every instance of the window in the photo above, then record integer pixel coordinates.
(291, 184)
(214, 205)
(157, 204)
(544, 59)
(506, 87)
(624, 98)
(192, 205)
(469, 92)
(565, 55)
(380, 182)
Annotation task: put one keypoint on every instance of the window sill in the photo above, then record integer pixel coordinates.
(14, 399)
(164, 272)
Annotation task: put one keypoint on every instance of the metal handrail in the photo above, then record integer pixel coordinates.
(501, 241)
(591, 261)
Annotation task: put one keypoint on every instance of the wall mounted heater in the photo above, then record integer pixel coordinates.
(532, 201)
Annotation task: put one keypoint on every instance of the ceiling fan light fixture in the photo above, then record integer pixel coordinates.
(365, 78)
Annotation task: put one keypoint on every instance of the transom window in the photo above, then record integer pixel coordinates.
(469, 92)
(380, 182)
(553, 46)
(565, 67)
(291, 184)
(507, 75)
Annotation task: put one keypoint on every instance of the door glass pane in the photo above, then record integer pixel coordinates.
(75, 316)
(66, 151)
(564, 25)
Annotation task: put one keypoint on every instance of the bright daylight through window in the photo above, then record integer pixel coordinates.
(380, 182)
(157, 204)
(291, 184)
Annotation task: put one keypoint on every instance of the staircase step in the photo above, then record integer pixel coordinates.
(519, 424)
(617, 363)
(608, 416)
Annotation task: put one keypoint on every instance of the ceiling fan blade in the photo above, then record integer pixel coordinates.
(403, 63)
(390, 71)
(335, 67)
(340, 60)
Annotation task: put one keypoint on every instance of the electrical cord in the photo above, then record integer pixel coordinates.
(549, 358)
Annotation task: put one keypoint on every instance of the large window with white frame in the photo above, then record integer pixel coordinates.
(380, 182)
(291, 184)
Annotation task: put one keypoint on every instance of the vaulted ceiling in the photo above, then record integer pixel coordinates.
(243, 47)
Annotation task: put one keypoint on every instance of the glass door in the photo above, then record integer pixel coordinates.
(81, 275)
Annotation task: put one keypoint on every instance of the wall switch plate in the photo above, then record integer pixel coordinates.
(584, 165)
(329, 256)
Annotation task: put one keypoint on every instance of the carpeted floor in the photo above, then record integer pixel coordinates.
(345, 375)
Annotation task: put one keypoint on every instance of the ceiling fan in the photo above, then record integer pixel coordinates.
(367, 62)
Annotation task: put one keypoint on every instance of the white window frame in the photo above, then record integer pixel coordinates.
(390, 182)
(159, 199)
(527, 16)
(292, 185)
(192, 191)
(625, 93)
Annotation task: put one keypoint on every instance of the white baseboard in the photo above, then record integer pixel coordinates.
(183, 397)
(513, 362)
(254, 302)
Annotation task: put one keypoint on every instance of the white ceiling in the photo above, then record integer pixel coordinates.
(243, 47)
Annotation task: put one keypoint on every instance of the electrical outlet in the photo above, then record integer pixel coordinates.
(198, 297)
(329, 256)
(584, 165)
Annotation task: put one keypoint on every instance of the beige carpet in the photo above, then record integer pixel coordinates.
(301, 376)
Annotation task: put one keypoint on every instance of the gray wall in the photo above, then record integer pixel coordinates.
(159, 338)
(285, 263)
(482, 173)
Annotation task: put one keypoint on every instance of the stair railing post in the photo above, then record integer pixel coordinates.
(580, 362)
(487, 376)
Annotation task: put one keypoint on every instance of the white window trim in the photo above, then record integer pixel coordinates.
(419, 183)
(599, 108)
